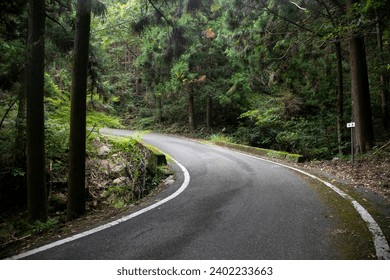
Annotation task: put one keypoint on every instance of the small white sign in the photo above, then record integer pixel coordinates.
(351, 124)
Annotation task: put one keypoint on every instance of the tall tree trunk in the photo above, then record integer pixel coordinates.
(191, 109)
(383, 82)
(20, 137)
(209, 112)
(76, 180)
(136, 81)
(36, 183)
(340, 97)
(159, 107)
(361, 103)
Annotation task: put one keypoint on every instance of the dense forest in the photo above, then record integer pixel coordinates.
(279, 74)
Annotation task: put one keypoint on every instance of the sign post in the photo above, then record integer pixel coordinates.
(351, 125)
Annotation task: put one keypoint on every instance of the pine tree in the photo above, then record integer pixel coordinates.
(76, 180)
(36, 183)
(361, 103)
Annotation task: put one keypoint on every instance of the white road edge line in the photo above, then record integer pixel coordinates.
(381, 245)
(111, 224)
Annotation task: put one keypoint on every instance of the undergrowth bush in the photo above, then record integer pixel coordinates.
(221, 138)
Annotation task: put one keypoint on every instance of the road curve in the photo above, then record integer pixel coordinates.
(234, 207)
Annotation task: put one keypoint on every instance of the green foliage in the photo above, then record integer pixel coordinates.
(142, 172)
(220, 138)
(57, 139)
(57, 106)
(6, 149)
(39, 227)
(11, 55)
(281, 155)
(144, 123)
(13, 32)
(17, 227)
(126, 145)
(269, 73)
(100, 119)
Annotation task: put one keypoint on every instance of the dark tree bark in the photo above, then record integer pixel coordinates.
(36, 183)
(159, 108)
(76, 180)
(20, 157)
(20, 137)
(191, 109)
(384, 81)
(361, 103)
(340, 97)
(209, 113)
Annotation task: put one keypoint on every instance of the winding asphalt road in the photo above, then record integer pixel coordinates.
(234, 207)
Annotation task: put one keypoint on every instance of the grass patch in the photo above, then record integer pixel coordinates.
(262, 152)
(215, 138)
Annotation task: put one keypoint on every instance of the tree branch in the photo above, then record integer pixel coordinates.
(285, 19)
(55, 21)
(321, 2)
(128, 48)
(160, 13)
(8, 110)
(299, 7)
(69, 8)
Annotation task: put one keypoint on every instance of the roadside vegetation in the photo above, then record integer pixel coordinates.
(120, 172)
